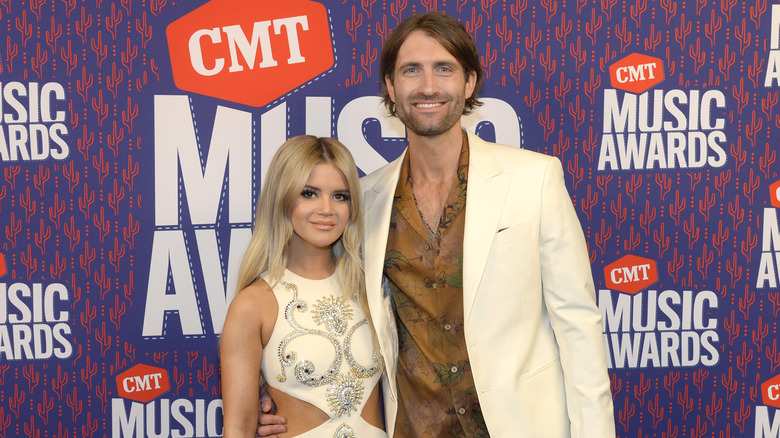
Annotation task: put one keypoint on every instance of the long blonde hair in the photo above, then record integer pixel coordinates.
(286, 178)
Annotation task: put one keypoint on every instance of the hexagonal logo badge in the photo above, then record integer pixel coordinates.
(142, 383)
(770, 392)
(636, 73)
(630, 274)
(774, 194)
(250, 51)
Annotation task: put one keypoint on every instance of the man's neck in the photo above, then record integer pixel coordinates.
(433, 163)
(435, 158)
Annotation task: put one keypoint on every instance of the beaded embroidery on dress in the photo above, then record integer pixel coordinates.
(321, 352)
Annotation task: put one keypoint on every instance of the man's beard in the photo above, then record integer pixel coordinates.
(429, 128)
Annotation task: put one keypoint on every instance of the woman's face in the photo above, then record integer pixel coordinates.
(321, 213)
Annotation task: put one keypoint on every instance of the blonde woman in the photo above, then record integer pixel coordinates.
(299, 319)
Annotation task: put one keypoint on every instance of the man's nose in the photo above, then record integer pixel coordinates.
(428, 83)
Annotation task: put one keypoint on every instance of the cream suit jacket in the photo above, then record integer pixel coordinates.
(532, 326)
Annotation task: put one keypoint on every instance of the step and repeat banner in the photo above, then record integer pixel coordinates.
(134, 136)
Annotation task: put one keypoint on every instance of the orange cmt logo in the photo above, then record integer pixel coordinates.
(636, 73)
(770, 392)
(250, 51)
(142, 383)
(774, 194)
(630, 274)
(3, 269)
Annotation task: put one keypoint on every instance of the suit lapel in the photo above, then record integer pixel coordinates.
(378, 203)
(487, 189)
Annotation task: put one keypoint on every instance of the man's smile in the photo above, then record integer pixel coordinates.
(428, 105)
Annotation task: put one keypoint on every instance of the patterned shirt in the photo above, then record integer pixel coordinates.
(437, 397)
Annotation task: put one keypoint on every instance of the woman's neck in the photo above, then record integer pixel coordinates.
(314, 264)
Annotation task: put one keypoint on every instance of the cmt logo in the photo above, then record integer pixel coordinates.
(636, 73)
(250, 51)
(630, 274)
(142, 383)
(774, 194)
(770, 392)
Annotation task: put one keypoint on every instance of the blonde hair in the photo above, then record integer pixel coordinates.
(286, 178)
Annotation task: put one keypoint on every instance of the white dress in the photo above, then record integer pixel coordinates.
(321, 352)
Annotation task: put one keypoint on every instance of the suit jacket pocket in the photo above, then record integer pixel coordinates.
(506, 236)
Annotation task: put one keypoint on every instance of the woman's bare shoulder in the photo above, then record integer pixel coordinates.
(253, 301)
(259, 289)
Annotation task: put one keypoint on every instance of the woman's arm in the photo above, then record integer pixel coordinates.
(248, 325)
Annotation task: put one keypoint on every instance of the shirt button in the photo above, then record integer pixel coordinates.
(461, 411)
(447, 327)
(435, 286)
(454, 369)
(427, 246)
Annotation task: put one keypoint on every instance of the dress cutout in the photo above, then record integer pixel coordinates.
(321, 352)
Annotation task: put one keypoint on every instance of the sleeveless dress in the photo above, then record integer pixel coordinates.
(321, 352)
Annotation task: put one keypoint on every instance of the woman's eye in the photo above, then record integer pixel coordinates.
(308, 194)
(342, 197)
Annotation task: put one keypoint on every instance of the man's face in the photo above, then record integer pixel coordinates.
(430, 88)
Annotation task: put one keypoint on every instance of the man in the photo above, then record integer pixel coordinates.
(477, 272)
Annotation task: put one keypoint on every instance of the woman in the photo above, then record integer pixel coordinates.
(299, 318)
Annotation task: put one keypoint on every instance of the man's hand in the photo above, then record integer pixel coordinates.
(269, 424)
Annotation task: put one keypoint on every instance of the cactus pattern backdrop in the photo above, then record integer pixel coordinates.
(135, 135)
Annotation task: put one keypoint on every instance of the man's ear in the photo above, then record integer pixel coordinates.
(471, 83)
(390, 87)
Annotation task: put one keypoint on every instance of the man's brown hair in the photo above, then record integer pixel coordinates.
(449, 33)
